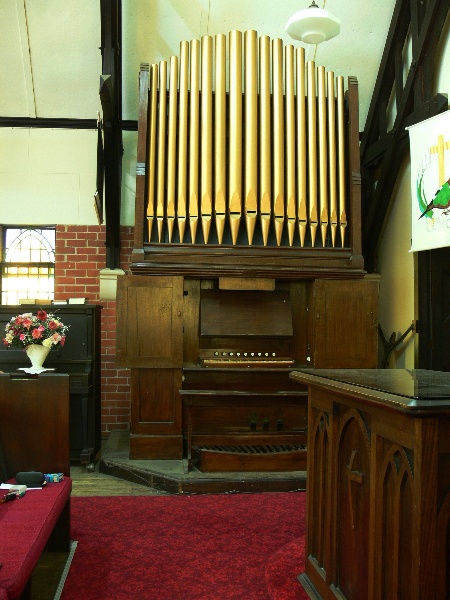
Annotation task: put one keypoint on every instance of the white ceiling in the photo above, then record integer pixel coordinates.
(50, 61)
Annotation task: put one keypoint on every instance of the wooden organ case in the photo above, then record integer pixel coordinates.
(247, 253)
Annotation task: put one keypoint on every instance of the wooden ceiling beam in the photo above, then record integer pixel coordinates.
(111, 100)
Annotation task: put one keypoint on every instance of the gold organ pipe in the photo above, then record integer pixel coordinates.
(290, 142)
(331, 110)
(323, 167)
(220, 135)
(278, 137)
(282, 157)
(161, 147)
(312, 149)
(206, 137)
(172, 145)
(235, 151)
(251, 131)
(194, 137)
(341, 146)
(301, 145)
(265, 151)
(151, 148)
(182, 139)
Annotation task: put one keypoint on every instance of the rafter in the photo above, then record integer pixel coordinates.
(111, 99)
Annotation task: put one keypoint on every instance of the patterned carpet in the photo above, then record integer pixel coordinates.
(190, 547)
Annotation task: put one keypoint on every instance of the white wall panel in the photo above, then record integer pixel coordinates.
(48, 176)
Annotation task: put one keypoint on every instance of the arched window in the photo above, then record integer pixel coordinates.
(28, 264)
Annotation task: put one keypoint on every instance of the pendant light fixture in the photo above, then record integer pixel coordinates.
(313, 25)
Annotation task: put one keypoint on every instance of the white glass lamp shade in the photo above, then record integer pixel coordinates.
(313, 25)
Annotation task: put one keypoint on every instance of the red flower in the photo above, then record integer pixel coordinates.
(43, 328)
(37, 333)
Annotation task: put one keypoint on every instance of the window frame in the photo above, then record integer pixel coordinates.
(4, 264)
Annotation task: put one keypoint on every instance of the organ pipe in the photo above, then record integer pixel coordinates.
(246, 130)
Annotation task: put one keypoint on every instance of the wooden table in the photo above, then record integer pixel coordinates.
(378, 484)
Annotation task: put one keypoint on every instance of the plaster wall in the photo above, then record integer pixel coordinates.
(47, 176)
(395, 263)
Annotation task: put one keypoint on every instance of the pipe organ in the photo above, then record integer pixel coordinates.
(247, 251)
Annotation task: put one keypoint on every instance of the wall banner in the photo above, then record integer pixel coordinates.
(430, 182)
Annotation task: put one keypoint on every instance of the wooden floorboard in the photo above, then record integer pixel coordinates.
(47, 575)
(94, 483)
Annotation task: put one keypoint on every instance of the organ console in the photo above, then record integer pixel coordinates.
(247, 252)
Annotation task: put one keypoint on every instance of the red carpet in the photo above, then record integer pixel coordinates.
(200, 547)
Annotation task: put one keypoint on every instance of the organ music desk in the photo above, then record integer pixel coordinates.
(378, 484)
(79, 358)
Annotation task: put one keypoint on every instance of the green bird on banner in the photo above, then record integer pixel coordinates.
(441, 200)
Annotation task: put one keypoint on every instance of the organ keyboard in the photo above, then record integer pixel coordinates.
(237, 358)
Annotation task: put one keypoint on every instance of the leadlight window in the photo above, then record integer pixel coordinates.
(28, 264)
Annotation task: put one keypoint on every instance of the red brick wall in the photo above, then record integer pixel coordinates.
(80, 256)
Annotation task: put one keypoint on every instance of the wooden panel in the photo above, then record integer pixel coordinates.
(211, 461)
(344, 320)
(156, 447)
(198, 378)
(352, 510)
(241, 419)
(191, 315)
(156, 404)
(299, 342)
(246, 283)
(149, 321)
(242, 313)
(34, 423)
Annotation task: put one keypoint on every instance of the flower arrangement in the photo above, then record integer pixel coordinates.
(43, 329)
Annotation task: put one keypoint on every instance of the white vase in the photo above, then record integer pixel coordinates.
(37, 355)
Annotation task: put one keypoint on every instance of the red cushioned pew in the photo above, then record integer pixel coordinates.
(28, 525)
(34, 436)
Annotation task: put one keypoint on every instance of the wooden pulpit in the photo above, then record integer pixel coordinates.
(378, 484)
